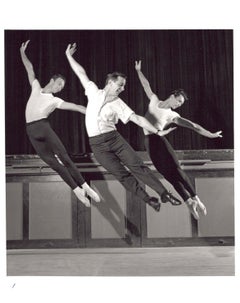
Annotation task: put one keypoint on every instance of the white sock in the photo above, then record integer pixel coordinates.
(196, 198)
(189, 201)
(192, 206)
(81, 195)
(90, 192)
(201, 206)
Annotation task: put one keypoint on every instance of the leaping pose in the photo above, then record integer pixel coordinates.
(103, 111)
(50, 149)
(160, 114)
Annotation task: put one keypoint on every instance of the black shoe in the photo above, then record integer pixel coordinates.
(154, 203)
(169, 197)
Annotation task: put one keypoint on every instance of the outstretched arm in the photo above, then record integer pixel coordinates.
(144, 123)
(143, 80)
(27, 64)
(73, 107)
(197, 128)
(77, 68)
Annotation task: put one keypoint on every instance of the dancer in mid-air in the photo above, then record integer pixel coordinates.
(163, 156)
(111, 150)
(50, 149)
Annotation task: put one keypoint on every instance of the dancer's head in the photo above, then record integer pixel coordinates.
(177, 98)
(115, 83)
(57, 83)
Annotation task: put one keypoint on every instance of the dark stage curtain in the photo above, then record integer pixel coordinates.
(200, 61)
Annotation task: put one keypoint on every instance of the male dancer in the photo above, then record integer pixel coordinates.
(44, 140)
(103, 111)
(164, 158)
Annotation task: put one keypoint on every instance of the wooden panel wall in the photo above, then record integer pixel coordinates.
(172, 221)
(14, 211)
(217, 194)
(50, 211)
(107, 217)
(42, 211)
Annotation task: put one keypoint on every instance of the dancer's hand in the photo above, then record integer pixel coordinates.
(138, 65)
(162, 133)
(216, 135)
(24, 46)
(71, 49)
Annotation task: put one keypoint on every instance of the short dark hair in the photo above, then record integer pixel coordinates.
(178, 92)
(113, 76)
(56, 76)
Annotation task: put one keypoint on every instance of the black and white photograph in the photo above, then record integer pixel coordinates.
(120, 156)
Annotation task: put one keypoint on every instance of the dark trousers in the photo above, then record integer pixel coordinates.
(47, 145)
(165, 160)
(114, 153)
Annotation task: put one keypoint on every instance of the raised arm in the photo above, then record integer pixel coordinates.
(27, 64)
(73, 107)
(197, 128)
(143, 80)
(77, 68)
(144, 123)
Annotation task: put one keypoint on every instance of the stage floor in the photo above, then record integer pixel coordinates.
(164, 261)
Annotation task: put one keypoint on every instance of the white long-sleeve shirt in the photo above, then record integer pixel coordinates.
(102, 118)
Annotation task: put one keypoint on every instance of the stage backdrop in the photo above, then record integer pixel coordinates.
(200, 61)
